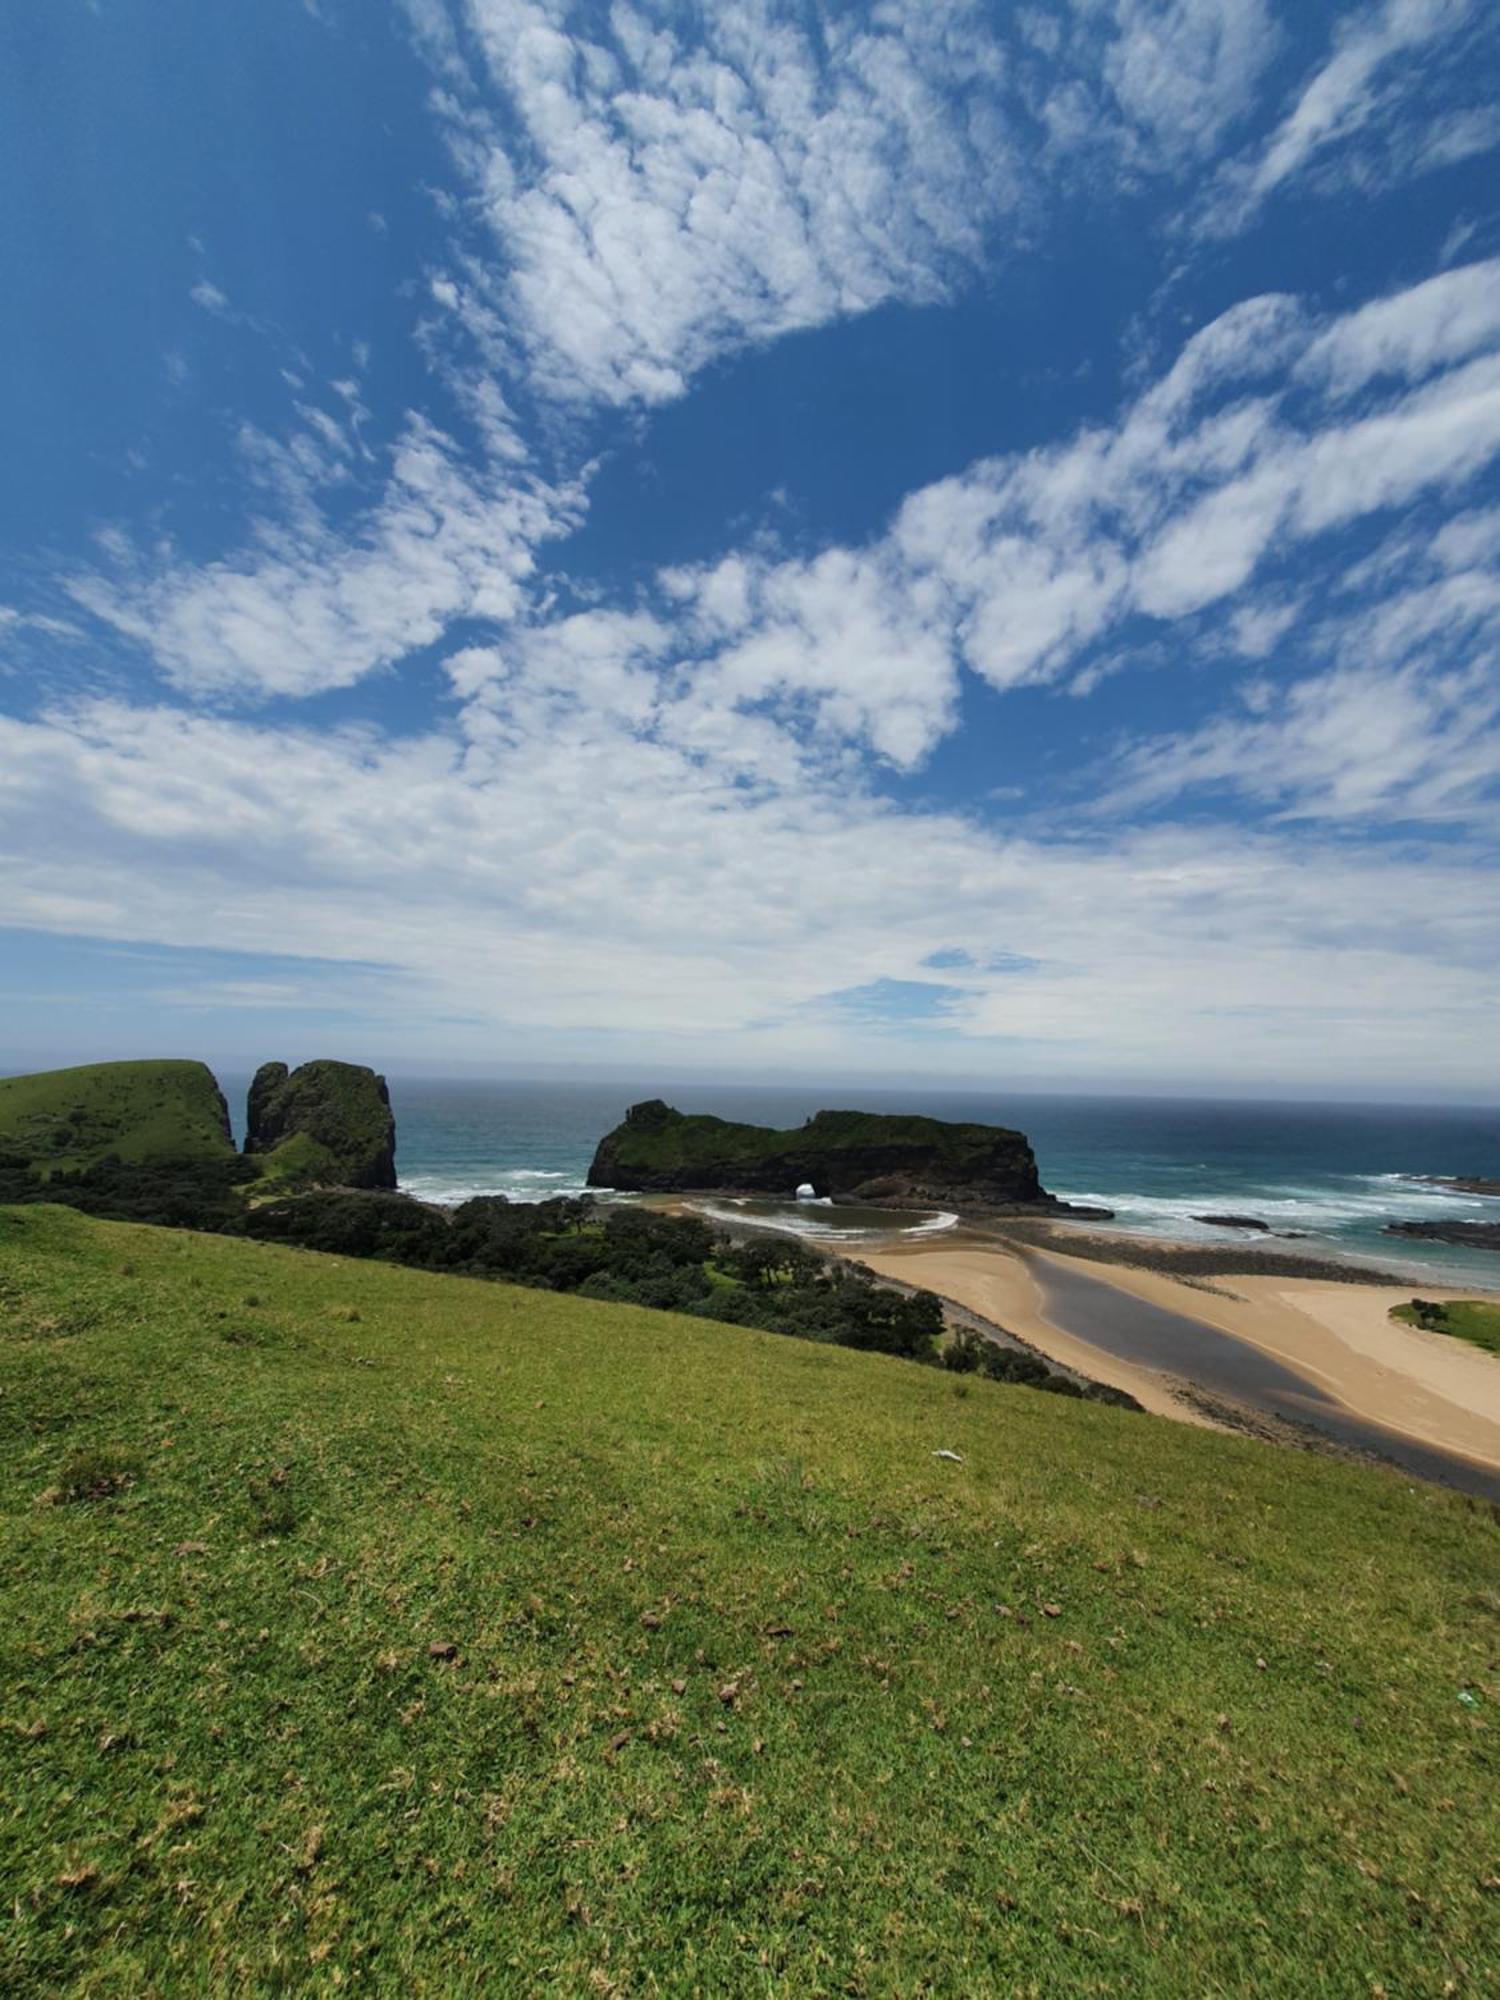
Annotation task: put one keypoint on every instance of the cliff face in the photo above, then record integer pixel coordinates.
(856, 1155)
(327, 1122)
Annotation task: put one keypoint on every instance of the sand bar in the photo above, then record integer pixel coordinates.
(1427, 1387)
(999, 1286)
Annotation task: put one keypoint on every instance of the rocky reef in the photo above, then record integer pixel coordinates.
(846, 1155)
(1472, 1235)
(327, 1123)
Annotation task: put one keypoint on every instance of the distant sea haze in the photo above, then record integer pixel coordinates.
(1335, 1172)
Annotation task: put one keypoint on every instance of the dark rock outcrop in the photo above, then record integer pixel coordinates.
(849, 1155)
(1464, 1184)
(1471, 1235)
(325, 1124)
(1235, 1222)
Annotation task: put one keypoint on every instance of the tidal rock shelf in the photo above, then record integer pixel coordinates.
(1471, 1235)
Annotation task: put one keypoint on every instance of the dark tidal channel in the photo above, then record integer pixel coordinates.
(1134, 1330)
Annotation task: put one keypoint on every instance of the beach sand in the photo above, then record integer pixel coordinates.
(1427, 1387)
(997, 1285)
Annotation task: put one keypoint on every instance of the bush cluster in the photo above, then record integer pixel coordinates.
(627, 1255)
(631, 1256)
(967, 1353)
(176, 1194)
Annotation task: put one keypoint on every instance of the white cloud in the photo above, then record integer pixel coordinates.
(1242, 452)
(845, 634)
(14, 620)
(1022, 568)
(589, 881)
(1411, 333)
(1459, 135)
(657, 198)
(662, 189)
(209, 297)
(1183, 71)
(1208, 476)
(1369, 81)
(1350, 744)
(311, 607)
(1401, 724)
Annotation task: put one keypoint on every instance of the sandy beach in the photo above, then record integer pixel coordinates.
(998, 1285)
(1338, 1337)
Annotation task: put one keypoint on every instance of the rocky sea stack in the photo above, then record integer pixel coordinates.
(327, 1122)
(847, 1155)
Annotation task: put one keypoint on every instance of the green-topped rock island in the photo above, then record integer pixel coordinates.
(327, 1123)
(863, 1156)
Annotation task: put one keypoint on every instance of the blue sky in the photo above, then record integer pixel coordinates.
(920, 538)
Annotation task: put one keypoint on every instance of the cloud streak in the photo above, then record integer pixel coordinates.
(669, 907)
(309, 607)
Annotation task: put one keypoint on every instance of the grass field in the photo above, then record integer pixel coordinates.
(1476, 1320)
(368, 1629)
(68, 1118)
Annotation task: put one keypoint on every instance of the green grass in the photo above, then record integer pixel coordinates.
(1476, 1320)
(297, 1162)
(737, 1689)
(69, 1118)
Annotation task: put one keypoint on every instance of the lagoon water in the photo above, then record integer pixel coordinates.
(1335, 1172)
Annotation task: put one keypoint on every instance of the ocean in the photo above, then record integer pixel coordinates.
(1335, 1173)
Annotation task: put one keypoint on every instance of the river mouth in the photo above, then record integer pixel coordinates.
(825, 1221)
(1153, 1337)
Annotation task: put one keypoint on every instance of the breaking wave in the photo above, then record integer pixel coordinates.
(826, 1221)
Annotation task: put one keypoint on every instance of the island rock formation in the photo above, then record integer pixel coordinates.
(846, 1155)
(327, 1123)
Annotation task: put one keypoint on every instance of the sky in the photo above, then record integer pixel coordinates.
(905, 539)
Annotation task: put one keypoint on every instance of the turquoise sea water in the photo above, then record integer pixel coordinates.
(1334, 1172)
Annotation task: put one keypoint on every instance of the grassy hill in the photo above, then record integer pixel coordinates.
(367, 1628)
(69, 1118)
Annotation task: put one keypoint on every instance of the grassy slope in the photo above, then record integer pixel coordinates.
(297, 1162)
(138, 1110)
(1476, 1320)
(231, 1765)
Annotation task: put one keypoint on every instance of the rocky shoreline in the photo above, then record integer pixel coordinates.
(1185, 1260)
(1468, 1235)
